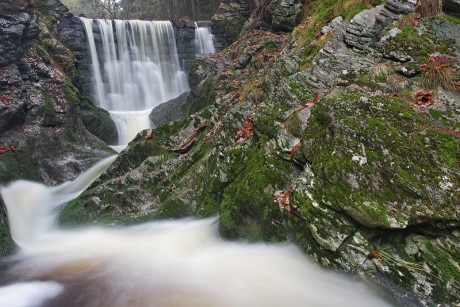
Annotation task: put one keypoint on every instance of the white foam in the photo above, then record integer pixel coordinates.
(185, 263)
(29, 294)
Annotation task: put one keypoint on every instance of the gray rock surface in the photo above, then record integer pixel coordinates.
(401, 6)
(365, 29)
(169, 111)
(282, 14)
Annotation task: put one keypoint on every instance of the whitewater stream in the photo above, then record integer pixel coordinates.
(165, 263)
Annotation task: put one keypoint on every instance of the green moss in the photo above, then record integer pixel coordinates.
(209, 187)
(419, 46)
(170, 209)
(294, 126)
(451, 18)
(16, 166)
(140, 150)
(302, 90)
(7, 245)
(50, 117)
(247, 208)
(267, 117)
(445, 272)
(368, 160)
(71, 92)
(43, 54)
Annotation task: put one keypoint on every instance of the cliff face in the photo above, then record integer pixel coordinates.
(42, 136)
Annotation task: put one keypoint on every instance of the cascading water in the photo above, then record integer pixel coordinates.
(167, 263)
(135, 68)
(204, 40)
(32, 206)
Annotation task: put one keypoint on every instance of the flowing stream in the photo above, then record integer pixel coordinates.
(135, 68)
(163, 263)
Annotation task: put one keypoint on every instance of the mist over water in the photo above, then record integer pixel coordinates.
(166, 263)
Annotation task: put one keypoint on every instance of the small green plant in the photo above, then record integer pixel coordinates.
(390, 259)
(380, 71)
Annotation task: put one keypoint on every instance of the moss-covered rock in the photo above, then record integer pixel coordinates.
(377, 160)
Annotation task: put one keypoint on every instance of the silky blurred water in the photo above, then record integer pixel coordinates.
(163, 263)
(134, 70)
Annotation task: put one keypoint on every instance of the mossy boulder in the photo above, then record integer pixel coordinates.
(375, 159)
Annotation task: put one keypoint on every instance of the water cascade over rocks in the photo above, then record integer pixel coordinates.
(166, 263)
(204, 40)
(135, 68)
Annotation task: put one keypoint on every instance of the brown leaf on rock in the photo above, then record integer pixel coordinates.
(246, 132)
(187, 143)
(283, 199)
(301, 107)
(423, 99)
(294, 149)
(148, 134)
(5, 149)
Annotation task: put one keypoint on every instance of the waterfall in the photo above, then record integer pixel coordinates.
(204, 40)
(135, 68)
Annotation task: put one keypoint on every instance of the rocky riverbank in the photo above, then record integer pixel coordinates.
(340, 134)
(43, 136)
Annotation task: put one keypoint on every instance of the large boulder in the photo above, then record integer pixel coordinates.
(169, 111)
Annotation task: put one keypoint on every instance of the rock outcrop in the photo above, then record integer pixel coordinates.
(169, 111)
(229, 19)
(42, 136)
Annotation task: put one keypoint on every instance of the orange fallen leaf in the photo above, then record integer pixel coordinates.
(294, 149)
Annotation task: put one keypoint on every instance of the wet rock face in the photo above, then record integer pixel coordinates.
(452, 6)
(42, 136)
(12, 30)
(39, 105)
(282, 14)
(185, 36)
(229, 20)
